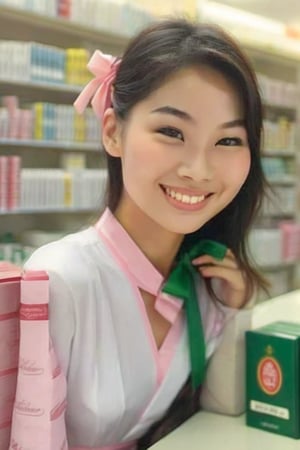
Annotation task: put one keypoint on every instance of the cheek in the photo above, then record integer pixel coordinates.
(135, 167)
(144, 160)
(238, 169)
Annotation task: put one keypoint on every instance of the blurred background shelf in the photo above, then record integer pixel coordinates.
(50, 145)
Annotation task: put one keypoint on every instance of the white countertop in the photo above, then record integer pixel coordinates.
(217, 432)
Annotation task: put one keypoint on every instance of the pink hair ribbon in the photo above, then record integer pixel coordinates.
(99, 89)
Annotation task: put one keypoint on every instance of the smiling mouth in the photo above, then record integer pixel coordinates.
(184, 198)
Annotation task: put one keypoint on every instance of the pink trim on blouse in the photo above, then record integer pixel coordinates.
(143, 275)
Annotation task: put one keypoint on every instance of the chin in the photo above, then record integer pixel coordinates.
(185, 229)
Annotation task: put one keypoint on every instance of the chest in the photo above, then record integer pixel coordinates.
(159, 325)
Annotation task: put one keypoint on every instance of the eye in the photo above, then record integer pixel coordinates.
(230, 141)
(171, 132)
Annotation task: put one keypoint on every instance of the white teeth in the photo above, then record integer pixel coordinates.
(184, 198)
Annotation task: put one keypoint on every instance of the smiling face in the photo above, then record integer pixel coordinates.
(184, 151)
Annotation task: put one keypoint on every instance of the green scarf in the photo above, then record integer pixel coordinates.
(181, 284)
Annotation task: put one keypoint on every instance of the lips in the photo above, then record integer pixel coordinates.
(184, 197)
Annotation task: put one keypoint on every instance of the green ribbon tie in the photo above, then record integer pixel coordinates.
(181, 284)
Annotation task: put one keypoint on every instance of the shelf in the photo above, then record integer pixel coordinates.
(279, 266)
(277, 217)
(282, 153)
(289, 110)
(55, 145)
(31, 91)
(287, 180)
(41, 85)
(55, 31)
(65, 210)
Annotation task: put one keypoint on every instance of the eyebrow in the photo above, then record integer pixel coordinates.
(174, 112)
(171, 110)
(234, 123)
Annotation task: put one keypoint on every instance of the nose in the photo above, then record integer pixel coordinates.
(196, 165)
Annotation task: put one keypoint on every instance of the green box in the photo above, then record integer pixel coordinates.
(273, 378)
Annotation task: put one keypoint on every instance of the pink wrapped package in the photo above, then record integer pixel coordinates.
(38, 414)
(10, 276)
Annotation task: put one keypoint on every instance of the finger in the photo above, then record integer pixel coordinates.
(232, 276)
(230, 254)
(207, 259)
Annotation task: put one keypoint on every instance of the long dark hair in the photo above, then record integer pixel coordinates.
(150, 58)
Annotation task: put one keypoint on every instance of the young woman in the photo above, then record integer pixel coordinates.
(181, 125)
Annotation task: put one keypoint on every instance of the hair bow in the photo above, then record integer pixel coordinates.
(98, 90)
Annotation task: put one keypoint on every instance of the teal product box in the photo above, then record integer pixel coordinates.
(273, 378)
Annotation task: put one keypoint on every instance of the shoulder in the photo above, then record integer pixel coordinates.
(70, 259)
(60, 252)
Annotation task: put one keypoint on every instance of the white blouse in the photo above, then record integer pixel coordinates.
(118, 382)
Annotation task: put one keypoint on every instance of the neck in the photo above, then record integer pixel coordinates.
(159, 245)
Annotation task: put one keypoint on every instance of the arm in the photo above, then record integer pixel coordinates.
(223, 390)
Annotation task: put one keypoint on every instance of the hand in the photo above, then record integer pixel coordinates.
(233, 287)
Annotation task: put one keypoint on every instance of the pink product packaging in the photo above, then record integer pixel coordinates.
(38, 416)
(25, 131)
(3, 123)
(14, 119)
(290, 240)
(11, 102)
(13, 191)
(10, 168)
(10, 276)
(64, 8)
(3, 182)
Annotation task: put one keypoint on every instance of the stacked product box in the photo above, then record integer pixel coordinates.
(31, 61)
(45, 121)
(273, 378)
(275, 246)
(10, 174)
(15, 122)
(59, 188)
(40, 189)
(31, 379)
(36, 62)
(10, 276)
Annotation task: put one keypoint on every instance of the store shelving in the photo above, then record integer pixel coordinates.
(52, 87)
(278, 266)
(280, 153)
(37, 91)
(64, 210)
(16, 24)
(279, 66)
(22, 25)
(29, 26)
(286, 180)
(50, 145)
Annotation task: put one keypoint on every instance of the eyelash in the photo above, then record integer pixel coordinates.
(174, 133)
(171, 132)
(237, 141)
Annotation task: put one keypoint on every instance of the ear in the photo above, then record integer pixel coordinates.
(111, 133)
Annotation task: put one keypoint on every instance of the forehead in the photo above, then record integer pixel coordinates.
(198, 89)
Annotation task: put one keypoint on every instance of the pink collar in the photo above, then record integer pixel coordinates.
(141, 269)
(146, 275)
